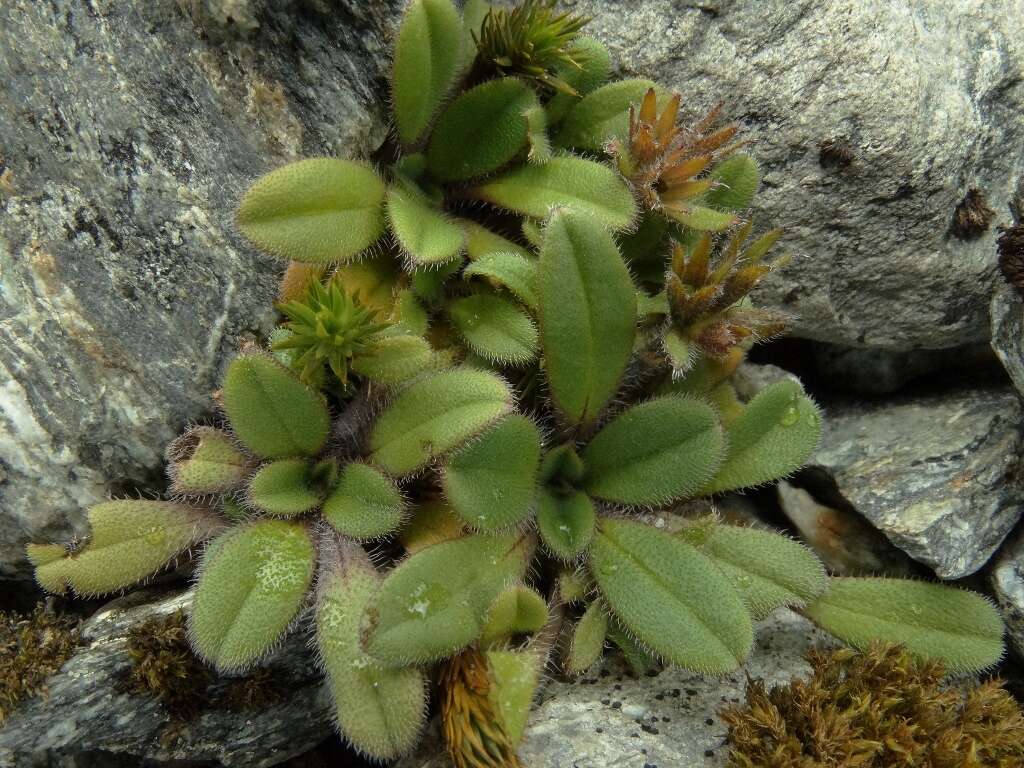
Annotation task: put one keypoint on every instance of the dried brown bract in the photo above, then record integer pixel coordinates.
(973, 215)
(877, 709)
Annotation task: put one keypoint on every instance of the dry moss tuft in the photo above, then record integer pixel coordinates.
(32, 648)
(973, 215)
(1011, 256)
(258, 690)
(877, 709)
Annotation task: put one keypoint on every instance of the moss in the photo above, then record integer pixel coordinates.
(256, 691)
(973, 215)
(32, 647)
(1011, 256)
(877, 709)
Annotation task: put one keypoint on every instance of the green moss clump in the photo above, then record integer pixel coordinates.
(32, 647)
(877, 709)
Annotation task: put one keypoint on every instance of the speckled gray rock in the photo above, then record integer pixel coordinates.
(128, 137)
(939, 475)
(1007, 580)
(1008, 332)
(928, 94)
(84, 712)
(608, 718)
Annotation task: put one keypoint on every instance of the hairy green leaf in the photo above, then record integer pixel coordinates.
(512, 271)
(566, 522)
(495, 328)
(514, 677)
(769, 569)
(602, 115)
(934, 621)
(587, 315)
(564, 182)
(473, 14)
(435, 603)
(519, 610)
(639, 658)
(562, 463)
(283, 488)
(273, 413)
(491, 482)
(702, 218)
(595, 65)
(482, 130)
(738, 178)
(251, 585)
(588, 638)
(365, 504)
(380, 710)
(129, 540)
(482, 242)
(319, 210)
(774, 436)
(435, 415)
(655, 452)
(427, 236)
(537, 134)
(391, 360)
(428, 56)
(205, 460)
(671, 597)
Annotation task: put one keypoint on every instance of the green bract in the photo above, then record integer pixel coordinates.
(502, 379)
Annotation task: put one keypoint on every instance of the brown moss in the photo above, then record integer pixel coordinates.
(877, 709)
(32, 647)
(257, 691)
(1011, 256)
(973, 215)
(835, 153)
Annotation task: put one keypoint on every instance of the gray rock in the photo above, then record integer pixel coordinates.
(1007, 580)
(84, 712)
(939, 475)
(127, 137)
(1007, 312)
(608, 718)
(927, 94)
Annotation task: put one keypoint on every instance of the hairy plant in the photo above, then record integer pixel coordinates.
(499, 357)
(877, 708)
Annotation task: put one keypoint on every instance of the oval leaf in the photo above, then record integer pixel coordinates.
(283, 488)
(365, 505)
(671, 597)
(495, 328)
(564, 182)
(587, 315)
(518, 610)
(391, 360)
(602, 115)
(932, 620)
(491, 482)
(481, 241)
(436, 602)
(379, 710)
(426, 235)
(435, 415)
(773, 437)
(428, 55)
(588, 638)
(273, 413)
(319, 210)
(595, 65)
(205, 460)
(655, 452)
(566, 522)
(737, 178)
(482, 130)
(511, 271)
(251, 585)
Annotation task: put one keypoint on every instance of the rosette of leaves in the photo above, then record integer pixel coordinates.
(539, 427)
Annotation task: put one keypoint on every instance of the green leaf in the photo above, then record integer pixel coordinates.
(533, 231)
(273, 413)
(491, 482)
(205, 460)
(739, 178)
(564, 182)
(587, 315)
(671, 597)
(251, 585)
(566, 522)
(410, 317)
(428, 56)
(283, 488)
(537, 134)
(428, 282)
(391, 360)
(482, 130)
(495, 328)
(481, 242)
(681, 354)
(381, 711)
(562, 463)
(596, 65)
(655, 452)
(702, 218)
(427, 236)
(129, 540)
(431, 522)
(588, 638)
(768, 569)
(518, 610)
(435, 603)
(511, 271)
(639, 659)
(365, 504)
(514, 677)
(435, 415)
(773, 437)
(320, 210)
(473, 14)
(602, 115)
(933, 621)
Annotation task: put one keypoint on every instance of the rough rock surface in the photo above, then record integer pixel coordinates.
(128, 134)
(928, 96)
(609, 718)
(84, 712)
(1007, 580)
(1008, 332)
(939, 475)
